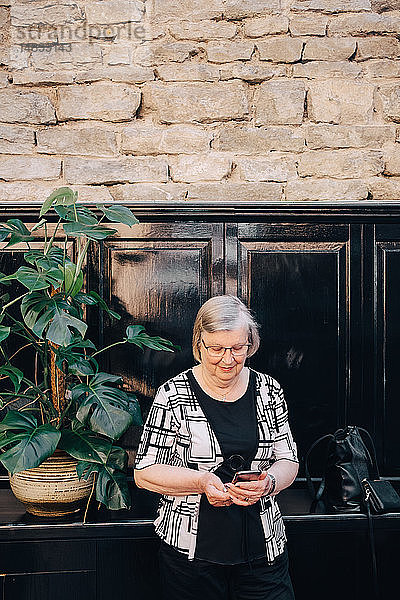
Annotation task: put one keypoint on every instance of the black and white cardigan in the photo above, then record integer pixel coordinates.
(177, 433)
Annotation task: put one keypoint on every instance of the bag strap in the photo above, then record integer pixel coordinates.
(316, 495)
(373, 460)
(371, 539)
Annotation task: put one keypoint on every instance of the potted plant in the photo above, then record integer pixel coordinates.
(70, 414)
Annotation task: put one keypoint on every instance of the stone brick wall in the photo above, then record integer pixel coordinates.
(200, 99)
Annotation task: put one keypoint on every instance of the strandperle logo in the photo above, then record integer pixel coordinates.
(42, 37)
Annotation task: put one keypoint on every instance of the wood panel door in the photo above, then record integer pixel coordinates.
(156, 275)
(296, 279)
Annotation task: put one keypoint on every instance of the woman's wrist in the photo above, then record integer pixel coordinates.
(270, 484)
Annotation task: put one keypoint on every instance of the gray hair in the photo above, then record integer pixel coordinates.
(224, 313)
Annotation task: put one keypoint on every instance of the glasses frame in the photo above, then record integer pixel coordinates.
(225, 349)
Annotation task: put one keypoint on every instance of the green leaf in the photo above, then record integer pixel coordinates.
(14, 374)
(134, 409)
(71, 288)
(17, 421)
(60, 332)
(84, 445)
(111, 487)
(137, 335)
(19, 232)
(79, 214)
(93, 232)
(39, 305)
(93, 298)
(61, 196)
(31, 449)
(104, 408)
(4, 332)
(34, 280)
(118, 214)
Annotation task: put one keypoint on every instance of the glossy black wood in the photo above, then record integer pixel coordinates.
(322, 279)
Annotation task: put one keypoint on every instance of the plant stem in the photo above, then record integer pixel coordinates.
(50, 244)
(19, 350)
(90, 497)
(14, 301)
(108, 347)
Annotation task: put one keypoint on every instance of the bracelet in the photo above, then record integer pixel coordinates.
(272, 478)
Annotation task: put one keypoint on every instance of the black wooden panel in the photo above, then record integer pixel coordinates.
(387, 353)
(49, 556)
(50, 586)
(299, 292)
(157, 276)
(136, 564)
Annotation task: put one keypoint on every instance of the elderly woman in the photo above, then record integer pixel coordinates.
(220, 540)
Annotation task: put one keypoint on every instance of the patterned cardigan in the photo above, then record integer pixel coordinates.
(177, 433)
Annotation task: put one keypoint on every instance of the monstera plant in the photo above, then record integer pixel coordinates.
(66, 401)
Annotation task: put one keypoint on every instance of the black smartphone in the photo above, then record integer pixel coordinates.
(246, 476)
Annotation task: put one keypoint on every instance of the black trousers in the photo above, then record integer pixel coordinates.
(184, 579)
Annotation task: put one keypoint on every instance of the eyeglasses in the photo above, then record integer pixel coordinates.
(239, 350)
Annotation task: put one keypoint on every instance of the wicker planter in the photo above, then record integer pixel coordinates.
(52, 489)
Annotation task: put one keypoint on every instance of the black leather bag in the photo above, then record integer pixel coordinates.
(348, 461)
(380, 496)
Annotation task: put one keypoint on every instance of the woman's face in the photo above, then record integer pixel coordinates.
(228, 367)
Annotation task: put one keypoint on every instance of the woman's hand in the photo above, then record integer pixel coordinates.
(247, 493)
(216, 492)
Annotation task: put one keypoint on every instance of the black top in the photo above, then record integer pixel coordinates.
(231, 534)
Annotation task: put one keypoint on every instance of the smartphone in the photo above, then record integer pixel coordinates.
(246, 476)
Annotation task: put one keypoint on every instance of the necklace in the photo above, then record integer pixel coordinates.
(222, 397)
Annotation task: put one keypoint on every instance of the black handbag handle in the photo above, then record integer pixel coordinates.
(373, 460)
(310, 485)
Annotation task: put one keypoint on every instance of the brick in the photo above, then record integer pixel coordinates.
(202, 31)
(259, 140)
(252, 72)
(29, 167)
(81, 141)
(389, 97)
(304, 25)
(46, 13)
(326, 189)
(383, 5)
(103, 100)
(280, 103)
(39, 191)
(121, 74)
(340, 101)
(378, 47)
(280, 49)
(384, 188)
(25, 107)
(114, 11)
(266, 168)
(119, 170)
(222, 52)
(325, 69)
(332, 6)
(348, 136)
(149, 192)
(193, 10)
(235, 192)
(202, 102)
(335, 49)
(145, 138)
(391, 157)
(240, 9)
(381, 68)
(117, 55)
(77, 55)
(16, 140)
(156, 53)
(364, 23)
(189, 71)
(43, 77)
(200, 167)
(268, 25)
(340, 163)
